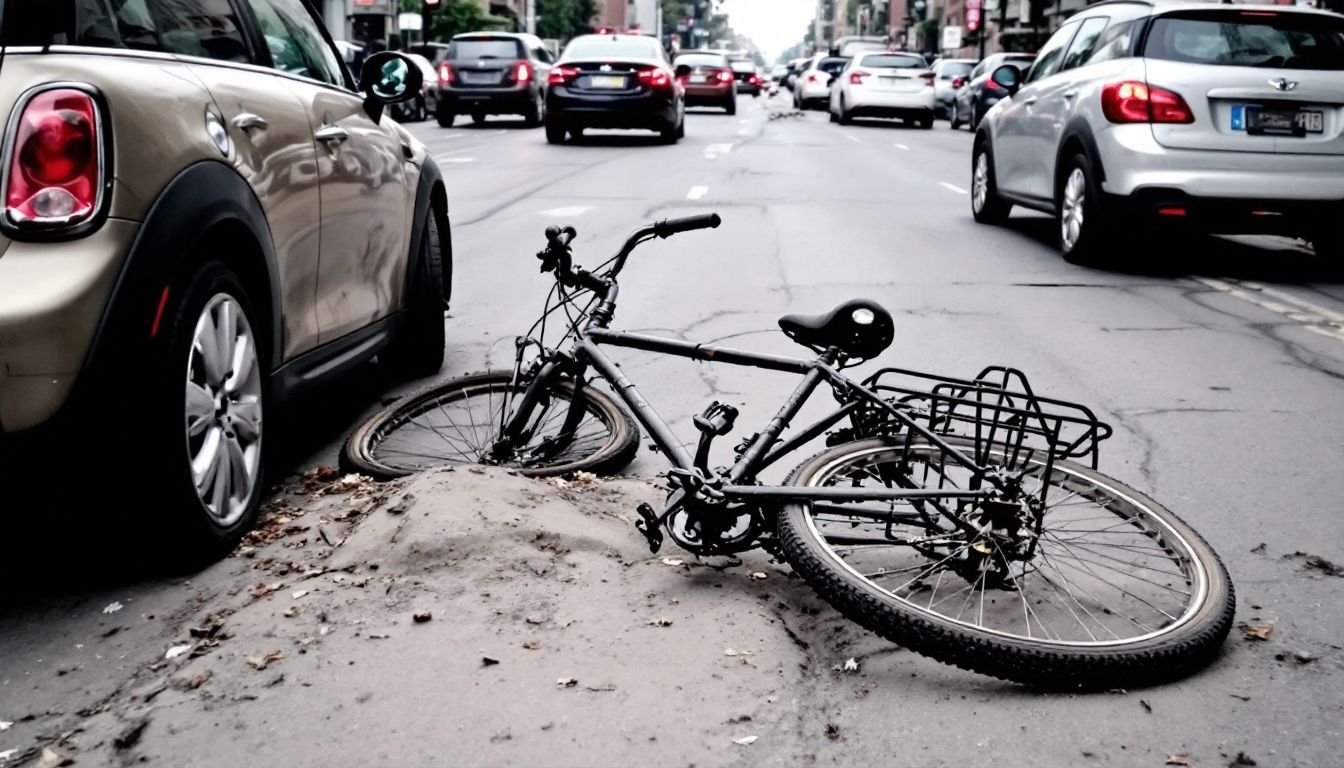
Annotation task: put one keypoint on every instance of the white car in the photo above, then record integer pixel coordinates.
(814, 83)
(886, 84)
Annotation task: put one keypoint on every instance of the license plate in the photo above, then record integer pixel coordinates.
(607, 81)
(699, 78)
(1259, 121)
(480, 78)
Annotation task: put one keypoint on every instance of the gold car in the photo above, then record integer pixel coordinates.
(198, 200)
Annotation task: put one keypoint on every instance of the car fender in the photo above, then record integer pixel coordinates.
(1079, 132)
(430, 195)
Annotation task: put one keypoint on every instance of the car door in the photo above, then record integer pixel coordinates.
(364, 242)
(272, 148)
(1055, 95)
(1016, 126)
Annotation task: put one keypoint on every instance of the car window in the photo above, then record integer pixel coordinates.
(1249, 38)
(204, 28)
(485, 48)
(599, 46)
(1081, 47)
(1052, 54)
(1115, 43)
(888, 61)
(833, 65)
(950, 69)
(295, 43)
(702, 60)
(542, 55)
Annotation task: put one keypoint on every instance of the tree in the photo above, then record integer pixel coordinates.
(453, 17)
(563, 19)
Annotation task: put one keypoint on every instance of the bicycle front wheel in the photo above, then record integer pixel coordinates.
(459, 422)
(1113, 591)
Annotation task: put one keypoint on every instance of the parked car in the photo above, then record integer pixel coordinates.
(1174, 115)
(973, 99)
(493, 73)
(852, 45)
(614, 81)
(435, 52)
(748, 79)
(425, 102)
(778, 73)
(949, 75)
(707, 79)
(796, 66)
(884, 85)
(814, 82)
(202, 220)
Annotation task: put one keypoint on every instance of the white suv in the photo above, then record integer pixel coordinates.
(887, 84)
(1223, 119)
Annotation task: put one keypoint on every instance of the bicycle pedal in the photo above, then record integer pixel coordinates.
(649, 526)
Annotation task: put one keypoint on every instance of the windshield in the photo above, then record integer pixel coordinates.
(608, 47)
(701, 60)
(743, 66)
(892, 62)
(953, 69)
(486, 48)
(1257, 38)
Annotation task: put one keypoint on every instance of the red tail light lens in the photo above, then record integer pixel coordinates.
(54, 171)
(724, 76)
(654, 78)
(561, 75)
(856, 77)
(811, 77)
(446, 74)
(994, 87)
(927, 77)
(1136, 102)
(523, 73)
(957, 82)
(755, 79)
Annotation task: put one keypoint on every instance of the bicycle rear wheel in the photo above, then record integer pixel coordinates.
(1117, 591)
(458, 422)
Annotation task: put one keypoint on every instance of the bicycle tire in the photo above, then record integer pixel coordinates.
(1189, 647)
(358, 454)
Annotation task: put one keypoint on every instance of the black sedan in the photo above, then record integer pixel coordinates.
(973, 100)
(614, 81)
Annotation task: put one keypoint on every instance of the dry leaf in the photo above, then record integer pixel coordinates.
(673, 561)
(530, 645)
(420, 617)
(1146, 706)
(567, 682)
(486, 661)
(298, 594)
(291, 612)
(661, 621)
(112, 607)
(260, 662)
(745, 741)
(52, 759)
(1256, 631)
(177, 650)
(1301, 657)
(266, 589)
(1242, 759)
(759, 575)
(1177, 760)
(729, 652)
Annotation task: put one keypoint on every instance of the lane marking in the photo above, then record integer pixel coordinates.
(457, 159)
(713, 151)
(902, 146)
(851, 138)
(571, 210)
(953, 188)
(1307, 315)
(697, 192)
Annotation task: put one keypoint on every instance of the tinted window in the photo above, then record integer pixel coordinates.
(485, 48)
(205, 28)
(295, 43)
(598, 47)
(702, 60)
(1114, 43)
(1081, 47)
(893, 62)
(1267, 39)
(542, 55)
(951, 69)
(1052, 54)
(833, 65)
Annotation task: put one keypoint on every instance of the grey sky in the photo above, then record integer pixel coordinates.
(772, 24)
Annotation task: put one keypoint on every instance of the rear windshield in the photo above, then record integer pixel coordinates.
(702, 60)
(206, 28)
(849, 49)
(893, 62)
(486, 48)
(833, 65)
(743, 66)
(1257, 38)
(953, 69)
(602, 46)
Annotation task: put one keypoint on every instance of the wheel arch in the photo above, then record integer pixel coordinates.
(1077, 137)
(431, 198)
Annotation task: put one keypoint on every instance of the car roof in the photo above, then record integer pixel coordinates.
(499, 35)
(1163, 6)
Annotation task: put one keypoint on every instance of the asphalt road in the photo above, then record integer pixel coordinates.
(1221, 367)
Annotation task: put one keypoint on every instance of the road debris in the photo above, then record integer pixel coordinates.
(130, 735)
(300, 593)
(851, 665)
(579, 482)
(758, 575)
(1177, 760)
(530, 645)
(177, 650)
(291, 612)
(1317, 563)
(832, 731)
(1241, 758)
(52, 759)
(266, 589)
(1299, 656)
(486, 661)
(567, 682)
(745, 741)
(673, 561)
(1146, 706)
(420, 617)
(661, 621)
(1259, 631)
(5, 725)
(113, 607)
(5, 754)
(260, 662)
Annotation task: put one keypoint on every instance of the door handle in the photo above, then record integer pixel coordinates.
(1070, 94)
(247, 121)
(1029, 101)
(332, 134)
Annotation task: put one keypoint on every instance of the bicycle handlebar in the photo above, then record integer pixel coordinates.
(669, 227)
(560, 236)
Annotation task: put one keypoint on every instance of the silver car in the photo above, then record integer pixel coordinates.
(1207, 118)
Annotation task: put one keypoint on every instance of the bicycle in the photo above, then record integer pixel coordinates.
(961, 518)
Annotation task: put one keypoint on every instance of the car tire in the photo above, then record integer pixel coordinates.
(976, 117)
(421, 111)
(417, 350)
(669, 134)
(843, 118)
(478, 118)
(445, 117)
(987, 207)
(926, 122)
(555, 134)
(536, 114)
(832, 116)
(1085, 226)
(215, 402)
(730, 106)
(1328, 245)
(953, 117)
(681, 127)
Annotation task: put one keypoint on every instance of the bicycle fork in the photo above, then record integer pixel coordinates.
(520, 427)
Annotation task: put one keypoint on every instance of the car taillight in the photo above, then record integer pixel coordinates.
(446, 74)
(927, 77)
(856, 77)
(654, 78)
(812, 77)
(561, 75)
(523, 73)
(1132, 101)
(994, 87)
(957, 82)
(724, 76)
(755, 79)
(55, 172)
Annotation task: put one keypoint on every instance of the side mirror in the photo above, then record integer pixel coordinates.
(387, 78)
(958, 82)
(1007, 77)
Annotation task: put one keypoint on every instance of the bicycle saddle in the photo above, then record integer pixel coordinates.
(861, 328)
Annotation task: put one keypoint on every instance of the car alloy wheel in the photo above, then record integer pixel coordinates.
(223, 410)
(980, 182)
(1071, 209)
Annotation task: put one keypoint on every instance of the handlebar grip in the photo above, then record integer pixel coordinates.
(560, 236)
(669, 227)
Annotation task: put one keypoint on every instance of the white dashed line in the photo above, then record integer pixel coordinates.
(697, 192)
(1309, 316)
(572, 210)
(457, 159)
(953, 188)
(901, 146)
(852, 138)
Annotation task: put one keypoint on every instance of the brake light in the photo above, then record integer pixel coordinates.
(54, 172)
(1136, 102)
(927, 77)
(856, 77)
(812, 77)
(957, 82)
(523, 74)
(561, 75)
(755, 79)
(990, 85)
(654, 78)
(446, 74)
(724, 76)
